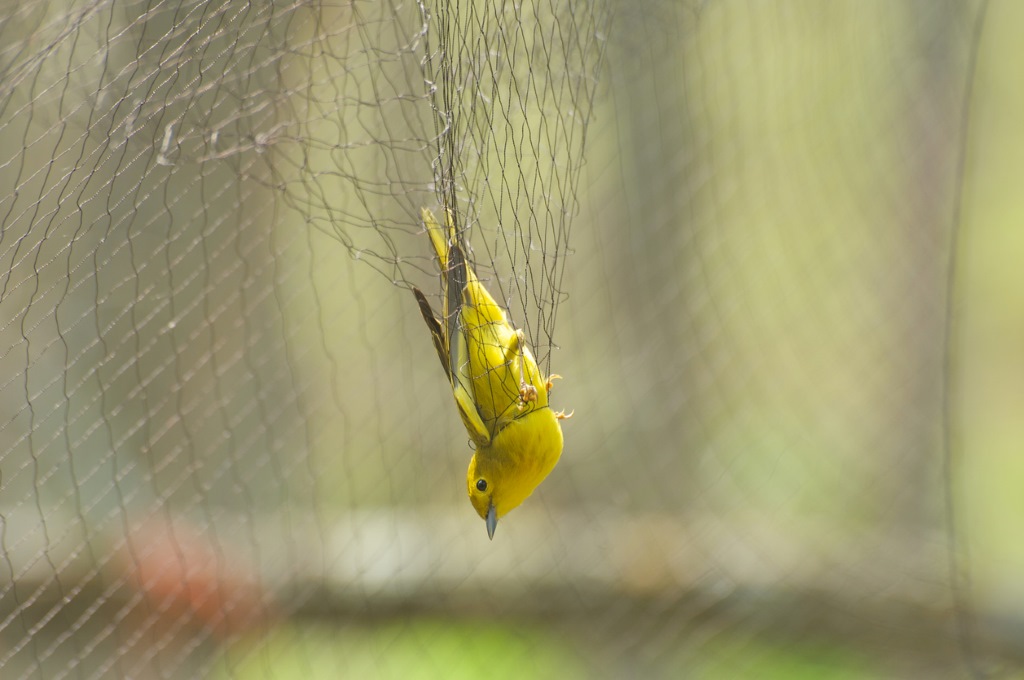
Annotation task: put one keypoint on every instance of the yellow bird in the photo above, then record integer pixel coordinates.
(498, 388)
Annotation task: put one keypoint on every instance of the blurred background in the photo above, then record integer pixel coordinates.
(772, 247)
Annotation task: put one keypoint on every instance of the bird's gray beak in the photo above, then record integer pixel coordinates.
(492, 521)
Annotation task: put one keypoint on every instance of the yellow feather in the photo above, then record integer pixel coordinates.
(498, 388)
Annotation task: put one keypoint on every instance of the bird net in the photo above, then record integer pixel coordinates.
(770, 246)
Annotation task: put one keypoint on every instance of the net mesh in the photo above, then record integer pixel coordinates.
(770, 246)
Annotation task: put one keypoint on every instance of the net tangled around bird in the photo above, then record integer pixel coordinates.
(765, 243)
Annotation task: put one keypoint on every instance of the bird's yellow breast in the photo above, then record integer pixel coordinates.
(518, 460)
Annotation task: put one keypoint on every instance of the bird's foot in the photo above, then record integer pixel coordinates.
(562, 415)
(549, 384)
(527, 393)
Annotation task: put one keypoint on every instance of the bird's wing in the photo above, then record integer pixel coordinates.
(436, 334)
(459, 370)
(450, 340)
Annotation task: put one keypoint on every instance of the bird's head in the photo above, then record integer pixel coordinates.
(504, 474)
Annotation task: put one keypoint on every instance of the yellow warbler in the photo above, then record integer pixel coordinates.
(498, 388)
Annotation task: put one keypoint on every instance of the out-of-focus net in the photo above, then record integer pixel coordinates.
(770, 246)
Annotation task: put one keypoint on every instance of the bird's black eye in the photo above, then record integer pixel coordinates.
(481, 485)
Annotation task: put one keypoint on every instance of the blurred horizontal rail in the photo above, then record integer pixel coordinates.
(889, 589)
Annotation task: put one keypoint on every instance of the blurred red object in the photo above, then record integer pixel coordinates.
(190, 580)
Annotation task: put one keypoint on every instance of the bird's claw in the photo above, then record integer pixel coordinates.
(527, 393)
(550, 382)
(562, 415)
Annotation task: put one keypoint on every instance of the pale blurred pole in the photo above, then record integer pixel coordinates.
(915, 295)
(656, 153)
